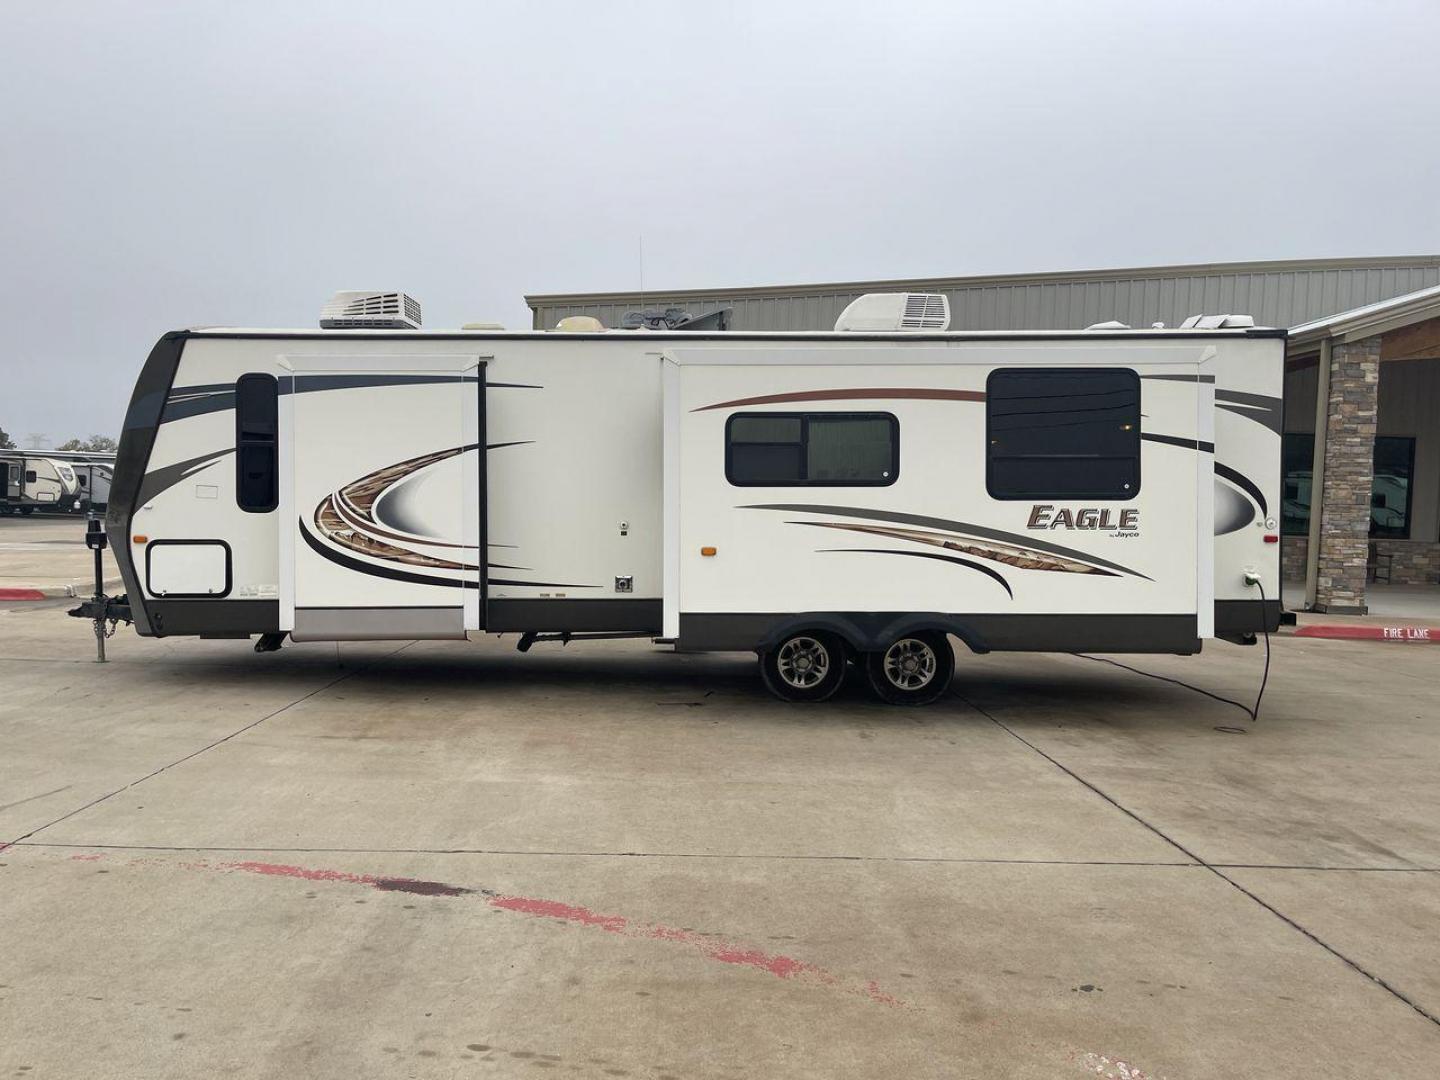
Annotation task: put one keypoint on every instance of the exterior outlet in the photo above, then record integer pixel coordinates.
(625, 584)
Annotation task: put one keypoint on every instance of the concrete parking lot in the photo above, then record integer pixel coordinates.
(452, 860)
(47, 552)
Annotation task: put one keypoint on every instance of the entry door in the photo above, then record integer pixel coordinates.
(12, 479)
(386, 502)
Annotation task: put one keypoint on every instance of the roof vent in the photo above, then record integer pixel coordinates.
(1113, 324)
(362, 310)
(1217, 322)
(579, 324)
(889, 312)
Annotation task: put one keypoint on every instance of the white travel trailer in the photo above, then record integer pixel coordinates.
(818, 498)
(33, 483)
(93, 479)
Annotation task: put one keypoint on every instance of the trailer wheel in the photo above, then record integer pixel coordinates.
(27, 510)
(914, 670)
(807, 666)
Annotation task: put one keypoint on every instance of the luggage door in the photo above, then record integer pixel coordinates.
(386, 500)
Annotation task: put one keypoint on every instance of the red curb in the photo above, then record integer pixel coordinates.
(1372, 633)
(21, 594)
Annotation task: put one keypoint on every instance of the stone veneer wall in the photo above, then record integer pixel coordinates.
(1292, 558)
(1412, 562)
(1349, 475)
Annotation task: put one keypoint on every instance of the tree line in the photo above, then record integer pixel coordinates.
(95, 444)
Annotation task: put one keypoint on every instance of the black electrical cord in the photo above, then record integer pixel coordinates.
(1253, 713)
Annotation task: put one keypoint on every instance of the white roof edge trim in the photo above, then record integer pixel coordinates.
(1138, 332)
(1374, 317)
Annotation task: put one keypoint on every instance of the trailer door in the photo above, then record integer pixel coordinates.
(385, 499)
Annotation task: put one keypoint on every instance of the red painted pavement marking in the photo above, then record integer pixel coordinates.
(21, 594)
(1370, 633)
(782, 967)
(386, 884)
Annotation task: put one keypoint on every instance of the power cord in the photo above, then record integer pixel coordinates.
(1253, 713)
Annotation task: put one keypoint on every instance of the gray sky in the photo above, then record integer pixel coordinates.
(174, 164)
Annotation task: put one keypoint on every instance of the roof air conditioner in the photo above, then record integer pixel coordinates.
(362, 310)
(889, 312)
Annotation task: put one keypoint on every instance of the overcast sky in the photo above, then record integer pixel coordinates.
(174, 164)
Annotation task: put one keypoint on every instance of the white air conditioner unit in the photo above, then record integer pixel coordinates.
(889, 312)
(361, 310)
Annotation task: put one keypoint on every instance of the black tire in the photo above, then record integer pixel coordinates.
(27, 510)
(914, 669)
(807, 666)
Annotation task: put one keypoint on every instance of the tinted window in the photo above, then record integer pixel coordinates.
(1063, 433)
(812, 449)
(256, 429)
(1390, 508)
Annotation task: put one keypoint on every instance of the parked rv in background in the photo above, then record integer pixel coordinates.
(33, 482)
(93, 480)
(54, 481)
(860, 495)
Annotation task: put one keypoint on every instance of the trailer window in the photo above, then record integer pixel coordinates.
(256, 430)
(812, 449)
(1062, 433)
(30, 476)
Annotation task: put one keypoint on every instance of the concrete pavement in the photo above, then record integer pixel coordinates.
(48, 555)
(444, 860)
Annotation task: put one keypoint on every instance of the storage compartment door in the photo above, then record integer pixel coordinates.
(386, 503)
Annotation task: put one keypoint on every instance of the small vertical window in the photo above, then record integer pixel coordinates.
(257, 424)
(1063, 433)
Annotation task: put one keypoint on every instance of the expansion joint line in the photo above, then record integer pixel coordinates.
(1293, 924)
(194, 754)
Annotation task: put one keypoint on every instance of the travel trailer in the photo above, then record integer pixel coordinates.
(860, 496)
(92, 480)
(35, 483)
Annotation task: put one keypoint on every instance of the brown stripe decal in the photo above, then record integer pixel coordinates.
(857, 393)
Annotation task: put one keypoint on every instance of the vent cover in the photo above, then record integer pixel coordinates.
(1217, 322)
(925, 311)
(361, 310)
(889, 312)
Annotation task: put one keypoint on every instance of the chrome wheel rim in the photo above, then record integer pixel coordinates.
(910, 664)
(803, 663)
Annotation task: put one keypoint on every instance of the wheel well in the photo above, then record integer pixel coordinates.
(871, 631)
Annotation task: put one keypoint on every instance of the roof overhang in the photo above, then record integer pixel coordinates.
(1367, 321)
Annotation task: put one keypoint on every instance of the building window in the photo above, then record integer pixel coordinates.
(257, 428)
(1062, 433)
(1394, 465)
(812, 449)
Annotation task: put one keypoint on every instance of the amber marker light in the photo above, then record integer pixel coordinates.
(707, 551)
(139, 539)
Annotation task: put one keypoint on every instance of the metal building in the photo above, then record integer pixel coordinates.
(1361, 441)
(1284, 293)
